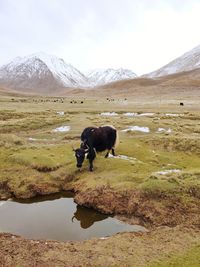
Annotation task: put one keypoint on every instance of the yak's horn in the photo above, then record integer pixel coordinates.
(73, 149)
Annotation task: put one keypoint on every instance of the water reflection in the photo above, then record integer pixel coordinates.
(51, 197)
(57, 217)
(87, 217)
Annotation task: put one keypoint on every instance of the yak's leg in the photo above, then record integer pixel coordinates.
(113, 152)
(91, 165)
(107, 153)
(91, 157)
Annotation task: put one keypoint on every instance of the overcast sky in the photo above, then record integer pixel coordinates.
(141, 35)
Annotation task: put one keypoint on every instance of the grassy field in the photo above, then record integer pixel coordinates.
(155, 180)
(30, 146)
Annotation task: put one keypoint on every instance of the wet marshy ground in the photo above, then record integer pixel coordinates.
(57, 217)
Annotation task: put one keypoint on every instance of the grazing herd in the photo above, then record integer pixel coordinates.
(76, 102)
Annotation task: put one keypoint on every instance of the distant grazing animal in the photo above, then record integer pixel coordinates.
(181, 104)
(96, 139)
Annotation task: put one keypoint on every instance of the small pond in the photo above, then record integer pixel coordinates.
(57, 217)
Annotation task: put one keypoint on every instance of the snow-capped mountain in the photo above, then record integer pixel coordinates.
(98, 77)
(188, 61)
(40, 71)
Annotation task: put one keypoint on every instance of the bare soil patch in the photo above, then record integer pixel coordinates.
(127, 249)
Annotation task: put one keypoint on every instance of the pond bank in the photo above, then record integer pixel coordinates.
(145, 208)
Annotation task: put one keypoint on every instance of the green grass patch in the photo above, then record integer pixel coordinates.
(43, 159)
(190, 258)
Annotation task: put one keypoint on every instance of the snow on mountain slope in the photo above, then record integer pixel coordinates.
(102, 76)
(69, 75)
(41, 70)
(188, 61)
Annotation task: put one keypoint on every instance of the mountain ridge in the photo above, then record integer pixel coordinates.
(102, 76)
(190, 60)
(47, 72)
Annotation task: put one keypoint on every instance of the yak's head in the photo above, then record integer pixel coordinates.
(80, 155)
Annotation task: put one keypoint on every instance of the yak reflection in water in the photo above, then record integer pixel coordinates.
(57, 217)
(87, 217)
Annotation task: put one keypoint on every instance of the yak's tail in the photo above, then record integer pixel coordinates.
(116, 140)
(116, 143)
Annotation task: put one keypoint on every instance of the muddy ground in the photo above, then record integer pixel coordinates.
(174, 246)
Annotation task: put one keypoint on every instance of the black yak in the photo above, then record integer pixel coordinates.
(96, 139)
